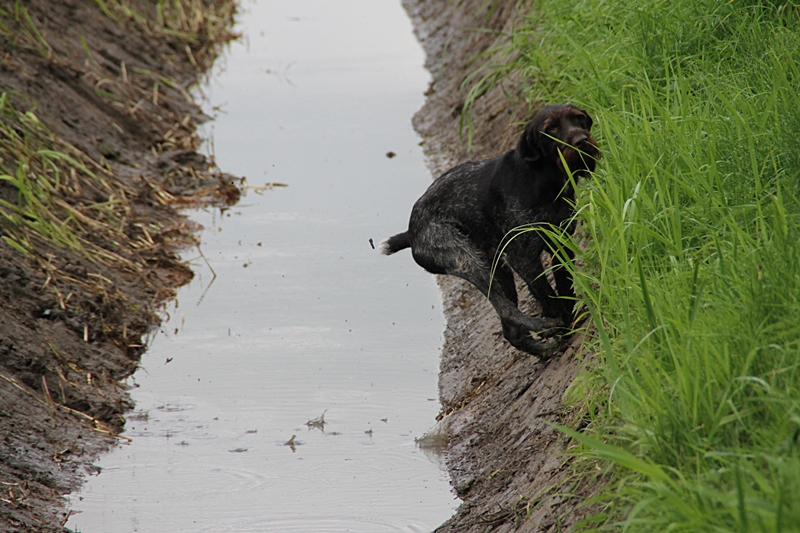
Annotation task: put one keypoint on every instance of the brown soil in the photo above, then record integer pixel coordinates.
(73, 319)
(508, 466)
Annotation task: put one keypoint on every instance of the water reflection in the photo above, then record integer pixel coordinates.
(303, 316)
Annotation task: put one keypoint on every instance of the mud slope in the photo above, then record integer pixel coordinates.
(97, 147)
(507, 466)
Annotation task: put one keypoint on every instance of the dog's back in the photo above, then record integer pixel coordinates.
(452, 196)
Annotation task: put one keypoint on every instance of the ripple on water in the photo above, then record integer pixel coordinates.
(175, 407)
(185, 482)
(317, 524)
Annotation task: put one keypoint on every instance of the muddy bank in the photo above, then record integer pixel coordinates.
(97, 148)
(509, 467)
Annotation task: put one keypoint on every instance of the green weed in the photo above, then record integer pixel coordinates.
(50, 198)
(692, 272)
(18, 28)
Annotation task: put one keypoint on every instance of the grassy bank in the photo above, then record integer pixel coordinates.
(53, 195)
(692, 274)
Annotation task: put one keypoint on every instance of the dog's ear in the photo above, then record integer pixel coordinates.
(529, 147)
(589, 120)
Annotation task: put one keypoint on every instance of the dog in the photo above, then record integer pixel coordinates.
(465, 216)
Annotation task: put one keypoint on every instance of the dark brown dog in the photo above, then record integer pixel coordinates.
(457, 226)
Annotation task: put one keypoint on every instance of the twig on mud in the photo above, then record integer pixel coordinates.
(66, 518)
(513, 513)
(97, 425)
(551, 412)
(50, 402)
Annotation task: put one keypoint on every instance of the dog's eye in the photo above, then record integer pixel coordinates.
(551, 130)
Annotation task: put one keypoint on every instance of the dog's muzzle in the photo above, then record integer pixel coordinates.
(581, 153)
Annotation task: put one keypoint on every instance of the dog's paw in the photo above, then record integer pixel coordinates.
(528, 344)
(550, 327)
(549, 323)
(532, 323)
(552, 348)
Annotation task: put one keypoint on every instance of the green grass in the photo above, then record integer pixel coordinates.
(201, 26)
(36, 171)
(17, 27)
(43, 207)
(46, 185)
(692, 273)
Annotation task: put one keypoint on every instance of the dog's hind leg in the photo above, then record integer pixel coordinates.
(566, 303)
(503, 280)
(524, 255)
(442, 249)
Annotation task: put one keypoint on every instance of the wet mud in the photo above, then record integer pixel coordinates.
(507, 465)
(110, 93)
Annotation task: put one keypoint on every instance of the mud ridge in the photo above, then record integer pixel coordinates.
(508, 467)
(106, 93)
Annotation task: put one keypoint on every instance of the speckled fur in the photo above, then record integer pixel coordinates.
(459, 223)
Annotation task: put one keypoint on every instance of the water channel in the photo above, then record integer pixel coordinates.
(303, 317)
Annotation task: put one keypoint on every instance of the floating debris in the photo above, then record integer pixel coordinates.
(261, 189)
(435, 438)
(292, 443)
(318, 422)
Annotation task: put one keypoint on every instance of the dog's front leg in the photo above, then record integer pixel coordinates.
(565, 304)
(524, 255)
(503, 280)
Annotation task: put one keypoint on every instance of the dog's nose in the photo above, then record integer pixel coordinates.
(580, 140)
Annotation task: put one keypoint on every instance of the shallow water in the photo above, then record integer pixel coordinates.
(303, 316)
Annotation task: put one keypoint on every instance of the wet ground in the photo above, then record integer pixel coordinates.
(295, 315)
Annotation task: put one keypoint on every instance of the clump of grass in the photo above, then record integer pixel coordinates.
(55, 202)
(40, 174)
(201, 25)
(18, 28)
(53, 196)
(692, 273)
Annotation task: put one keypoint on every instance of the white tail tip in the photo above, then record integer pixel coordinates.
(383, 247)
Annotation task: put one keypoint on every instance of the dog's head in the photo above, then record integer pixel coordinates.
(561, 130)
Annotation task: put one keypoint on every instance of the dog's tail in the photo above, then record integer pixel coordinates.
(394, 244)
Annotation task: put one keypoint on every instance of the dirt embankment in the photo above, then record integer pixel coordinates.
(97, 147)
(509, 467)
